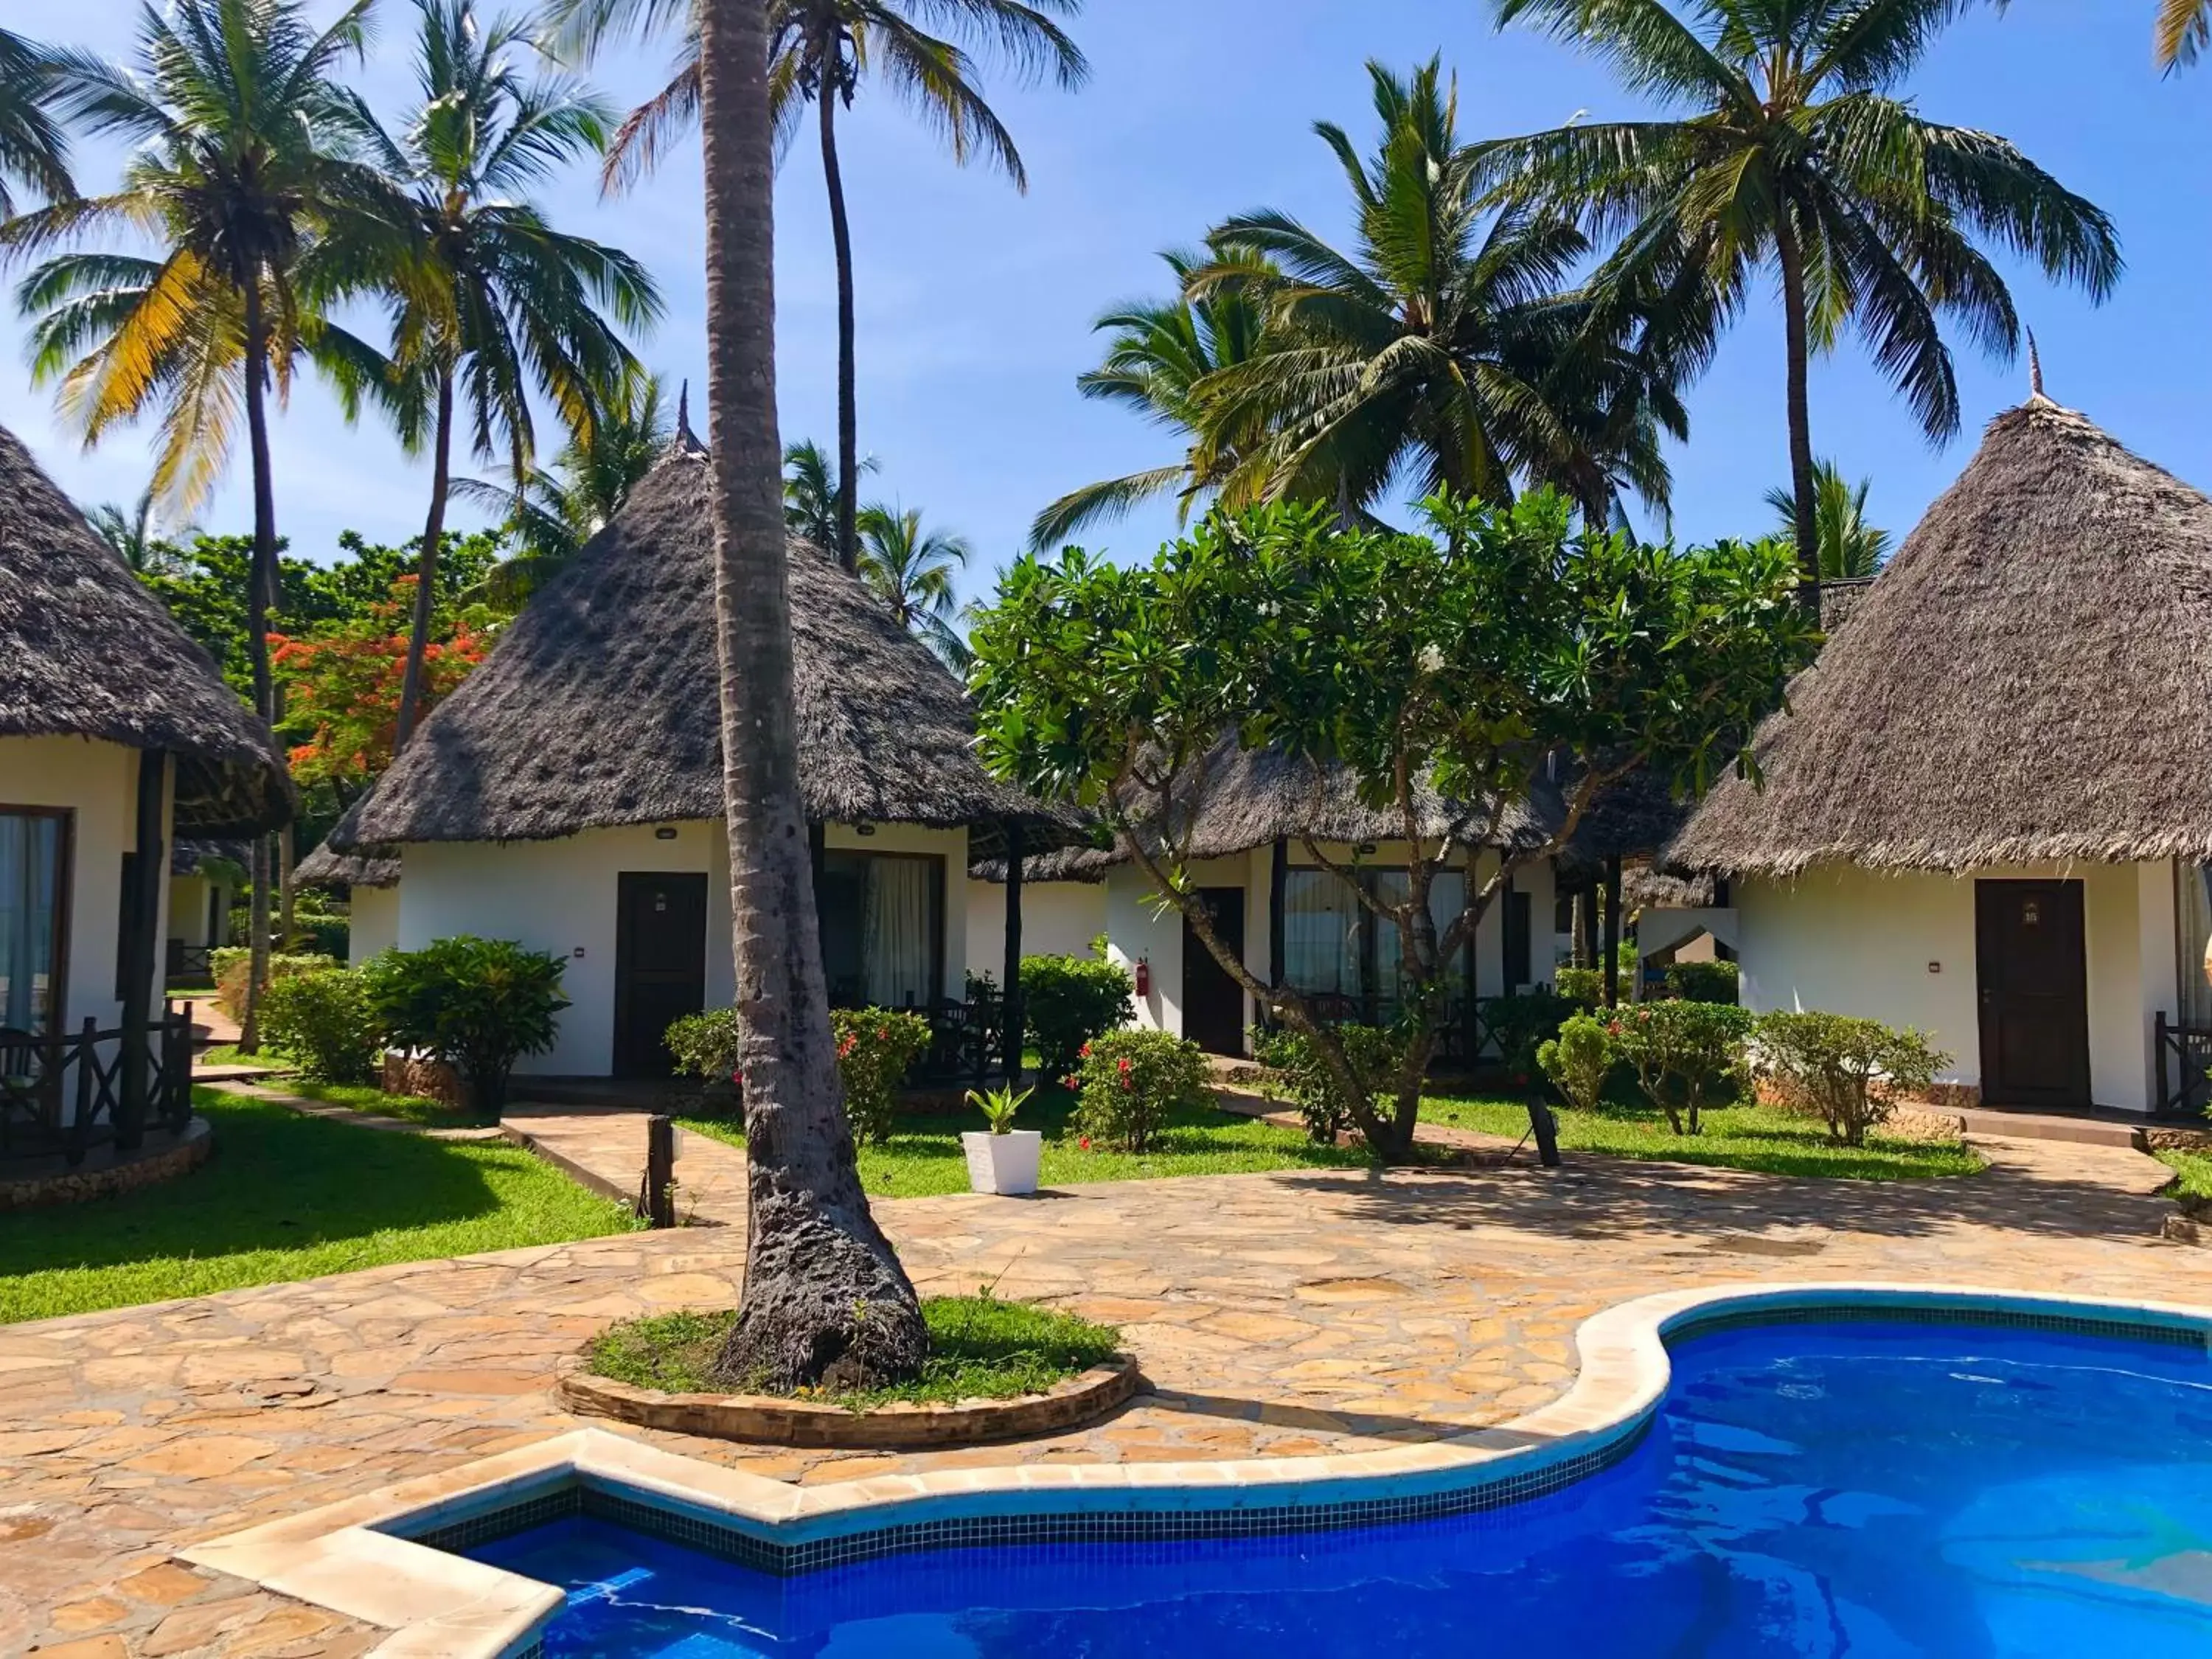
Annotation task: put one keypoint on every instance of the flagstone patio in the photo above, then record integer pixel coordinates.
(1278, 1314)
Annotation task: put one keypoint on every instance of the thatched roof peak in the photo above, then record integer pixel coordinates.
(328, 867)
(86, 651)
(2029, 680)
(601, 705)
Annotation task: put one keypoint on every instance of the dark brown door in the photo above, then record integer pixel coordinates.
(660, 965)
(2033, 979)
(1213, 1003)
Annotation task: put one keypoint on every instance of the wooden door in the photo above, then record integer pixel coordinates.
(2032, 972)
(1212, 1002)
(661, 964)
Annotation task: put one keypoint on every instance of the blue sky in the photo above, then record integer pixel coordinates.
(976, 303)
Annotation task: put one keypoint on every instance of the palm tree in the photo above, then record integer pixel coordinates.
(1791, 149)
(910, 569)
(1157, 355)
(2183, 31)
(820, 51)
(811, 492)
(493, 302)
(130, 532)
(34, 149)
(1850, 548)
(825, 1298)
(1443, 344)
(246, 173)
(556, 510)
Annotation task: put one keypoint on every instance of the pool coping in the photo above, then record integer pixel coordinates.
(361, 1556)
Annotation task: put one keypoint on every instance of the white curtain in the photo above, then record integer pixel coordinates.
(2193, 911)
(30, 860)
(897, 937)
(1321, 932)
(1447, 893)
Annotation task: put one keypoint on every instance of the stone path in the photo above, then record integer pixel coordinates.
(1276, 1315)
(604, 1147)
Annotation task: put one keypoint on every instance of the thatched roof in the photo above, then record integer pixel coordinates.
(2029, 680)
(86, 651)
(328, 867)
(600, 706)
(192, 858)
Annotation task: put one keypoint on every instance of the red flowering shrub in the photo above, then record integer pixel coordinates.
(875, 1048)
(1128, 1083)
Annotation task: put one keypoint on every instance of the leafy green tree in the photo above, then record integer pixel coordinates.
(911, 570)
(490, 301)
(1849, 546)
(1158, 354)
(811, 492)
(1787, 145)
(34, 149)
(1443, 344)
(1484, 661)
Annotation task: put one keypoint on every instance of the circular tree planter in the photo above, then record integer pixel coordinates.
(775, 1421)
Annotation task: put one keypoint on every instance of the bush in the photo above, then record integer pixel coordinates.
(232, 963)
(1687, 1056)
(1129, 1081)
(1066, 1001)
(875, 1048)
(324, 1021)
(1523, 1024)
(1583, 985)
(705, 1045)
(1849, 1073)
(1579, 1060)
(477, 1003)
(1702, 981)
(1305, 1080)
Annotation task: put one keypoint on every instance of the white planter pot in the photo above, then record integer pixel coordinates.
(1007, 1164)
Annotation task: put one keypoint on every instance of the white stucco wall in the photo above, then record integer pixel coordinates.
(372, 922)
(1899, 948)
(98, 782)
(1059, 918)
(560, 896)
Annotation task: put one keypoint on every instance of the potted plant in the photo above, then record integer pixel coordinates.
(1001, 1159)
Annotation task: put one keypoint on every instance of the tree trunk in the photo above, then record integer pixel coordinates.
(826, 1302)
(1795, 332)
(426, 566)
(841, 235)
(260, 594)
(288, 859)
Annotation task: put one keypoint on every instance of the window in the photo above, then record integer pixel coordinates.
(1334, 944)
(33, 899)
(883, 928)
(1517, 940)
(2192, 919)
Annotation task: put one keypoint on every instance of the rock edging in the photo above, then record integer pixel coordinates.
(107, 1174)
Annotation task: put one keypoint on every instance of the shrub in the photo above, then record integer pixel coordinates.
(1305, 1080)
(1523, 1024)
(1687, 1056)
(1583, 985)
(705, 1045)
(1702, 981)
(1066, 1001)
(477, 1003)
(324, 1021)
(1579, 1060)
(232, 963)
(1849, 1073)
(1129, 1081)
(876, 1046)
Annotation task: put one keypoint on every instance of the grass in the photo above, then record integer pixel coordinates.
(1757, 1138)
(286, 1197)
(2192, 1175)
(226, 1054)
(925, 1156)
(367, 1098)
(981, 1348)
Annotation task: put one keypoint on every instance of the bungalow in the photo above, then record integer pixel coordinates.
(1987, 810)
(371, 884)
(569, 794)
(205, 878)
(116, 734)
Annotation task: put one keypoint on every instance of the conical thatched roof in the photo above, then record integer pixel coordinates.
(86, 651)
(601, 705)
(328, 867)
(2030, 679)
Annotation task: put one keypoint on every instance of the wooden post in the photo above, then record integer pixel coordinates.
(150, 870)
(2158, 1049)
(1613, 932)
(657, 1203)
(87, 1079)
(1586, 926)
(1010, 997)
(1279, 887)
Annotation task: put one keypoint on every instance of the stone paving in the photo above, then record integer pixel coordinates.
(1278, 1315)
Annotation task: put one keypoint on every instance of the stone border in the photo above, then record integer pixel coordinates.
(902, 1426)
(91, 1180)
(356, 1557)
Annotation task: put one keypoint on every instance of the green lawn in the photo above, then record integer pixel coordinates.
(925, 1157)
(1735, 1138)
(367, 1098)
(226, 1054)
(2193, 1171)
(286, 1197)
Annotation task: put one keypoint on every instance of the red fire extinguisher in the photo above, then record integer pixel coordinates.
(1144, 977)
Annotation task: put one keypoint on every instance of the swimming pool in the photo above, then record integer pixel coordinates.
(1867, 1487)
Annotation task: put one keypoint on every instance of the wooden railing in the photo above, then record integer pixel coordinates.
(62, 1095)
(189, 963)
(2182, 1060)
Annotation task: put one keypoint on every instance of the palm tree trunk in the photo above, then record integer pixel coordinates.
(426, 564)
(260, 591)
(1792, 260)
(849, 413)
(826, 1300)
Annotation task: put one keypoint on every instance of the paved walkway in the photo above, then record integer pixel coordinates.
(1275, 1315)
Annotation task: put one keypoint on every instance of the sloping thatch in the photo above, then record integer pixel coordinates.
(192, 858)
(328, 867)
(2029, 680)
(86, 651)
(601, 706)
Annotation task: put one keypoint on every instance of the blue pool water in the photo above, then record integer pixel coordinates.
(1862, 1490)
